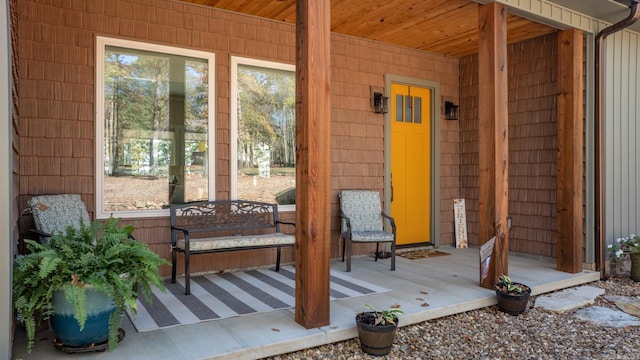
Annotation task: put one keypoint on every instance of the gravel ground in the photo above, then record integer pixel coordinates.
(490, 334)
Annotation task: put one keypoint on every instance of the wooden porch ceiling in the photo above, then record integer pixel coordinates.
(447, 27)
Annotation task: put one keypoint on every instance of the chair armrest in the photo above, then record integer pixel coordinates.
(39, 233)
(391, 220)
(347, 220)
(46, 235)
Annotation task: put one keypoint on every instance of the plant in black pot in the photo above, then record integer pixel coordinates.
(83, 281)
(377, 329)
(513, 297)
(629, 245)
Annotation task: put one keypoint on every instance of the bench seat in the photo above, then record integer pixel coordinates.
(237, 241)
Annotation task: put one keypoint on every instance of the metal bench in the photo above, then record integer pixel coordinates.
(224, 225)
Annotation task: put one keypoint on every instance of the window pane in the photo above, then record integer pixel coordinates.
(399, 108)
(417, 110)
(155, 129)
(407, 110)
(266, 134)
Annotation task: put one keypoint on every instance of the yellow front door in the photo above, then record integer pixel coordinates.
(411, 162)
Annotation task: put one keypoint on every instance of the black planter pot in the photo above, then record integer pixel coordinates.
(375, 340)
(513, 303)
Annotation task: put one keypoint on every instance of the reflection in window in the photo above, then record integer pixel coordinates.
(156, 124)
(266, 131)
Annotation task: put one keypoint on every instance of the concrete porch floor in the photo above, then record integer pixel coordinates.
(449, 284)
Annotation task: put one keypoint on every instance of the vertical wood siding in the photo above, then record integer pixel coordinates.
(622, 134)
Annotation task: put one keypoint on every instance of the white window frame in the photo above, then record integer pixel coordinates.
(235, 61)
(101, 44)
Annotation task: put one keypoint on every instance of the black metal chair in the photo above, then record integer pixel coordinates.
(362, 222)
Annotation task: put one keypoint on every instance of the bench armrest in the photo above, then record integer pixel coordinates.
(277, 224)
(184, 231)
(286, 223)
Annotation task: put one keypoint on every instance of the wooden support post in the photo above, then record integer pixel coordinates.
(570, 190)
(313, 118)
(493, 140)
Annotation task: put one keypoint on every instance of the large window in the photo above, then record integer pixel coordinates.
(263, 102)
(154, 125)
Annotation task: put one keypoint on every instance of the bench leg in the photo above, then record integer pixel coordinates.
(174, 264)
(187, 287)
(349, 243)
(278, 259)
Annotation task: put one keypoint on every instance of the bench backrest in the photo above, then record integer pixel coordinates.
(225, 215)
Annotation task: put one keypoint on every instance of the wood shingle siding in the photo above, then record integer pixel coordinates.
(56, 103)
(532, 145)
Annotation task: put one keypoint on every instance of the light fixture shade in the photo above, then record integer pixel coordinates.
(380, 103)
(450, 110)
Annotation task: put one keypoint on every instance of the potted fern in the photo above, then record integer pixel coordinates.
(83, 281)
(513, 297)
(377, 329)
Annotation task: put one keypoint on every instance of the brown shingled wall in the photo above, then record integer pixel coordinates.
(56, 100)
(532, 145)
(357, 133)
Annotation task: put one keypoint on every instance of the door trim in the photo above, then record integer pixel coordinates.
(435, 153)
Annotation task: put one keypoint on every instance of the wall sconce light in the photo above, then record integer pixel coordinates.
(380, 103)
(450, 110)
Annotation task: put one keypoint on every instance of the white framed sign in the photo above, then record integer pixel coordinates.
(460, 215)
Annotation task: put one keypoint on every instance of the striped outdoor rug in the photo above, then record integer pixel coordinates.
(220, 296)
